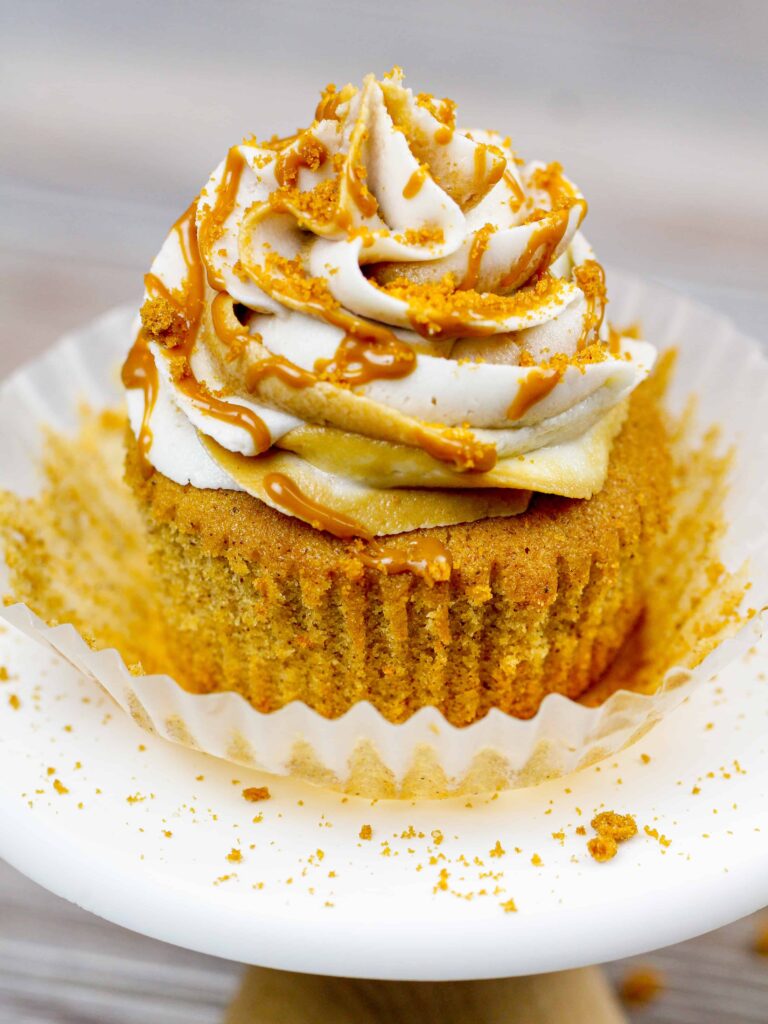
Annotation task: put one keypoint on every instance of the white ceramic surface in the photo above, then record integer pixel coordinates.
(379, 915)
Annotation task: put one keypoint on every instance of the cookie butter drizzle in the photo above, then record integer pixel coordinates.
(187, 303)
(533, 389)
(424, 556)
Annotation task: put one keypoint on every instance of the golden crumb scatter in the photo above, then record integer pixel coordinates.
(640, 987)
(602, 848)
(50, 771)
(437, 836)
(618, 826)
(234, 856)
(509, 907)
(366, 832)
(580, 830)
(14, 701)
(167, 833)
(4, 674)
(497, 851)
(256, 793)
(537, 861)
(645, 759)
(60, 788)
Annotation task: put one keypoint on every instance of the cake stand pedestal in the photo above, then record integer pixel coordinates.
(280, 997)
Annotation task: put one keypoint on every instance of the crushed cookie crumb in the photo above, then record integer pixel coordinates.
(497, 851)
(619, 826)
(602, 848)
(234, 855)
(509, 907)
(256, 793)
(60, 788)
(366, 832)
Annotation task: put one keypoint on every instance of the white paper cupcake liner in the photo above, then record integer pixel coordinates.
(362, 751)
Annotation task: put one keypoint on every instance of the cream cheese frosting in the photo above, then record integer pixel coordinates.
(383, 317)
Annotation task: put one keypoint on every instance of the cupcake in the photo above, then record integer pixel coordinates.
(385, 444)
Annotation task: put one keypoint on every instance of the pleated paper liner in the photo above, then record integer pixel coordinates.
(720, 369)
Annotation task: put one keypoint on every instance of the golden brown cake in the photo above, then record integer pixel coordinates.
(384, 442)
(264, 604)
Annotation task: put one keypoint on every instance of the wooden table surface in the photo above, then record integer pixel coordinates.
(111, 117)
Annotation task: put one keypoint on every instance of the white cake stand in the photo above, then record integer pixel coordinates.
(141, 832)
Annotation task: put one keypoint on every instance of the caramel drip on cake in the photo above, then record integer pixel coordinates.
(309, 152)
(212, 222)
(538, 253)
(230, 331)
(423, 556)
(460, 447)
(590, 277)
(483, 178)
(277, 366)
(518, 196)
(285, 493)
(187, 306)
(366, 203)
(414, 183)
(359, 362)
(139, 371)
(476, 252)
(444, 134)
(536, 386)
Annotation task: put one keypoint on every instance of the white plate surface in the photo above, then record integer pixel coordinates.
(381, 908)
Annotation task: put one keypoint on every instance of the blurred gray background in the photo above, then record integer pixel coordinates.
(112, 116)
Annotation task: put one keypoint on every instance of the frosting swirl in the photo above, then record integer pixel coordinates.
(399, 318)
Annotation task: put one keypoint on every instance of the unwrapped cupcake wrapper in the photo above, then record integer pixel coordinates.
(425, 756)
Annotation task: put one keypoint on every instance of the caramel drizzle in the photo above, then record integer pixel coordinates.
(139, 371)
(423, 556)
(359, 193)
(188, 303)
(286, 493)
(444, 134)
(460, 447)
(481, 155)
(590, 277)
(539, 251)
(212, 221)
(518, 196)
(357, 362)
(476, 252)
(330, 100)
(277, 366)
(531, 390)
(309, 152)
(414, 183)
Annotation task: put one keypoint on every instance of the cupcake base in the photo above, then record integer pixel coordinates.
(261, 603)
